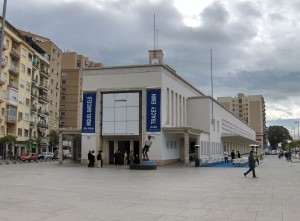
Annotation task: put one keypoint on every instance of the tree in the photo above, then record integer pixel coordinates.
(53, 138)
(8, 139)
(278, 134)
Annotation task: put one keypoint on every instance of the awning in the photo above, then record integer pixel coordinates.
(236, 137)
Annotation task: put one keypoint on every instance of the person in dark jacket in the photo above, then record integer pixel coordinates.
(232, 155)
(251, 165)
(90, 156)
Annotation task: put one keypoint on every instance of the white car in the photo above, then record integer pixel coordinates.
(47, 155)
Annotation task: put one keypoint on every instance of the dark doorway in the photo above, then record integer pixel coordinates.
(192, 151)
(124, 146)
(136, 148)
(111, 152)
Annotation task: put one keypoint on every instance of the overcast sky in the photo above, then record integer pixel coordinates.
(255, 44)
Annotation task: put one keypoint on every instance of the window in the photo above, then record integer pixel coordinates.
(64, 82)
(20, 116)
(63, 97)
(28, 86)
(20, 132)
(2, 111)
(26, 133)
(27, 101)
(2, 129)
(63, 90)
(26, 117)
(51, 81)
(62, 106)
(50, 102)
(62, 123)
(29, 71)
(29, 57)
(23, 68)
(24, 52)
(21, 99)
(22, 83)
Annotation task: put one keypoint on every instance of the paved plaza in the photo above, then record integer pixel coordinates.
(51, 192)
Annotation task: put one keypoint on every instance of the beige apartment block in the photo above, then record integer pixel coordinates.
(55, 59)
(24, 89)
(250, 109)
(71, 88)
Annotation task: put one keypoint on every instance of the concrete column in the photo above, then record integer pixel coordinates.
(186, 148)
(60, 146)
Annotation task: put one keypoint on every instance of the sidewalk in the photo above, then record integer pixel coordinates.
(45, 191)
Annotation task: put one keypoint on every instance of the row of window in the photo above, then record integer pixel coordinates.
(176, 109)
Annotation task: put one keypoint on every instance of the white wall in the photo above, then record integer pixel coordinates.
(170, 146)
(89, 142)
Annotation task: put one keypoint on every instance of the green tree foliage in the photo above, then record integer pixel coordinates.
(8, 139)
(53, 138)
(293, 144)
(278, 134)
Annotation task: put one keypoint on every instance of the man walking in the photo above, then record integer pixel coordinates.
(251, 165)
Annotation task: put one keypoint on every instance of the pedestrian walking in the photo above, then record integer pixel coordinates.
(131, 157)
(93, 159)
(251, 165)
(90, 156)
(99, 159)
(226, 154)
(238, 154)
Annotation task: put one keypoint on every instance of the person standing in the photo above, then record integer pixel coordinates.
(226, 154)
(93, 159)
(131, 157)
(238, 154)
(251, 165)
(90, 156)
(99, 158)
(232, 155)
(125, 158)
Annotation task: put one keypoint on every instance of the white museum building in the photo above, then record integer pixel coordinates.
(123, 105)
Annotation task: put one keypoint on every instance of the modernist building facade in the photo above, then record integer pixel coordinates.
(122, 106)
(250, 109)
(24, 89)
(54, 74)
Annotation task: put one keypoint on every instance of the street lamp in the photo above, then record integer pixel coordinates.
(293, 128)
(297, 122)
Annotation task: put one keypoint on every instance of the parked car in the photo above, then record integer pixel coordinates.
(55, 155)
(29, 157)
(46, 155)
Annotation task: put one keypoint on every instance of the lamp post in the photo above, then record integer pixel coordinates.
(293, 128)
(297, 122)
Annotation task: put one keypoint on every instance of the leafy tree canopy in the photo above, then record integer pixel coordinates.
(53, 138)
(278, 134)
(8, 139)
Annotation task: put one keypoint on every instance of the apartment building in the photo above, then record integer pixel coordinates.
(24, 93)
(55, 59)
(71, 88)
(250, 109)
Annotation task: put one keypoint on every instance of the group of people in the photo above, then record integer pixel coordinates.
(92, 158)
(232, 154)
(287, 154)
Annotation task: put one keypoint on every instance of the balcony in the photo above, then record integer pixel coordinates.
(32, 124)
(5, 46)
(35, 64)
(43, 99)
(11, 119)
(45, 73)
(42, 125)
(2, 80)
(34, 94)
(13, 85)
(33, 108)
(14, 70)
(43, 113)
(15, 53)
(43, 86)
(4, 62)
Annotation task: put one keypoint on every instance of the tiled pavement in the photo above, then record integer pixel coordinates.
(50, 192)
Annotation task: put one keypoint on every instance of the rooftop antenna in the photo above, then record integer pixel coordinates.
(154, 31)
(156, 38)
(212, 88)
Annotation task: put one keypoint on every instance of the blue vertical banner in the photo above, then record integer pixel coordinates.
(88, 113)
(153, 110)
